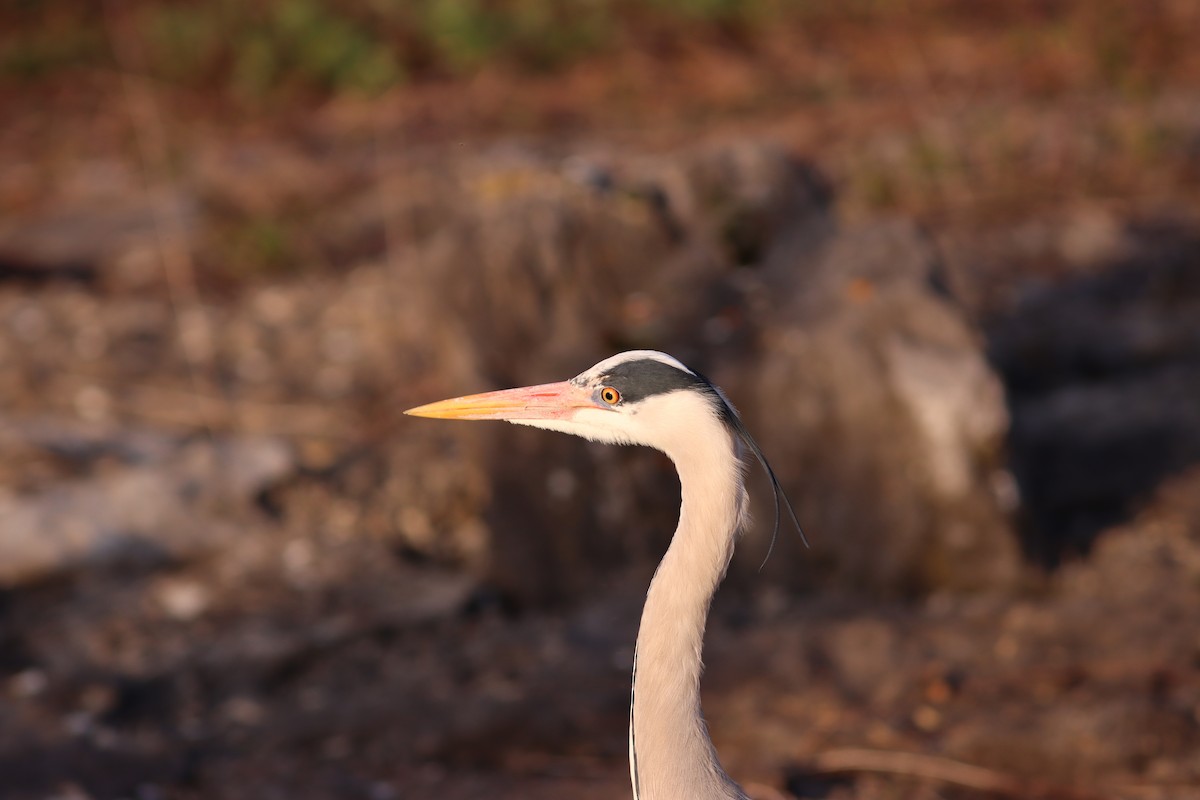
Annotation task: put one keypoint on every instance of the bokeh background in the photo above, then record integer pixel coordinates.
(944, 256)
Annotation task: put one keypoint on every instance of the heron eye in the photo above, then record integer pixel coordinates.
(610, 395)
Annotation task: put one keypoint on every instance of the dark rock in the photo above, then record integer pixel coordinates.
(1103, 372)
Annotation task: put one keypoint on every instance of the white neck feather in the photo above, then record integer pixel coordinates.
(671, 754)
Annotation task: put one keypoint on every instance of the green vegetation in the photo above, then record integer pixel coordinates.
(254, 50)
(278, 49)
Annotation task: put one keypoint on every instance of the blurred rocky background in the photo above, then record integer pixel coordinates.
(943, 255)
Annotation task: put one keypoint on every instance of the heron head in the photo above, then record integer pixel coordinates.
(639, 397)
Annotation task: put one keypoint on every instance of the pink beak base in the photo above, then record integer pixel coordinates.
(546, 401)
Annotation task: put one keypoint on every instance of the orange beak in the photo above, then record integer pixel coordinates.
(547, 401)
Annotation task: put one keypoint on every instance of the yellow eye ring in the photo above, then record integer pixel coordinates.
(610, 395)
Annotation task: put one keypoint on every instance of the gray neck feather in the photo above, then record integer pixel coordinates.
(671, 754)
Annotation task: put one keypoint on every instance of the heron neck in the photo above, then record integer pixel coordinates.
(671, 754)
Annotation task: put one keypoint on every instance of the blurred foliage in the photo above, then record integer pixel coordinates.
(257, 48)
(265, 48)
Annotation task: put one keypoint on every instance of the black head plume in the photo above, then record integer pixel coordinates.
(733, 420)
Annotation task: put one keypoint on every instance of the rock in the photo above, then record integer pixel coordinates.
(536, 273)
(863, 379)
(883, 418)
(78, 240)
(170, 499)
(956, 403)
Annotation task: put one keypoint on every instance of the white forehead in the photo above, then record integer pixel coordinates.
(630, 355)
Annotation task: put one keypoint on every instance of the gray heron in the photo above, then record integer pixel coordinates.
(649, 398)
